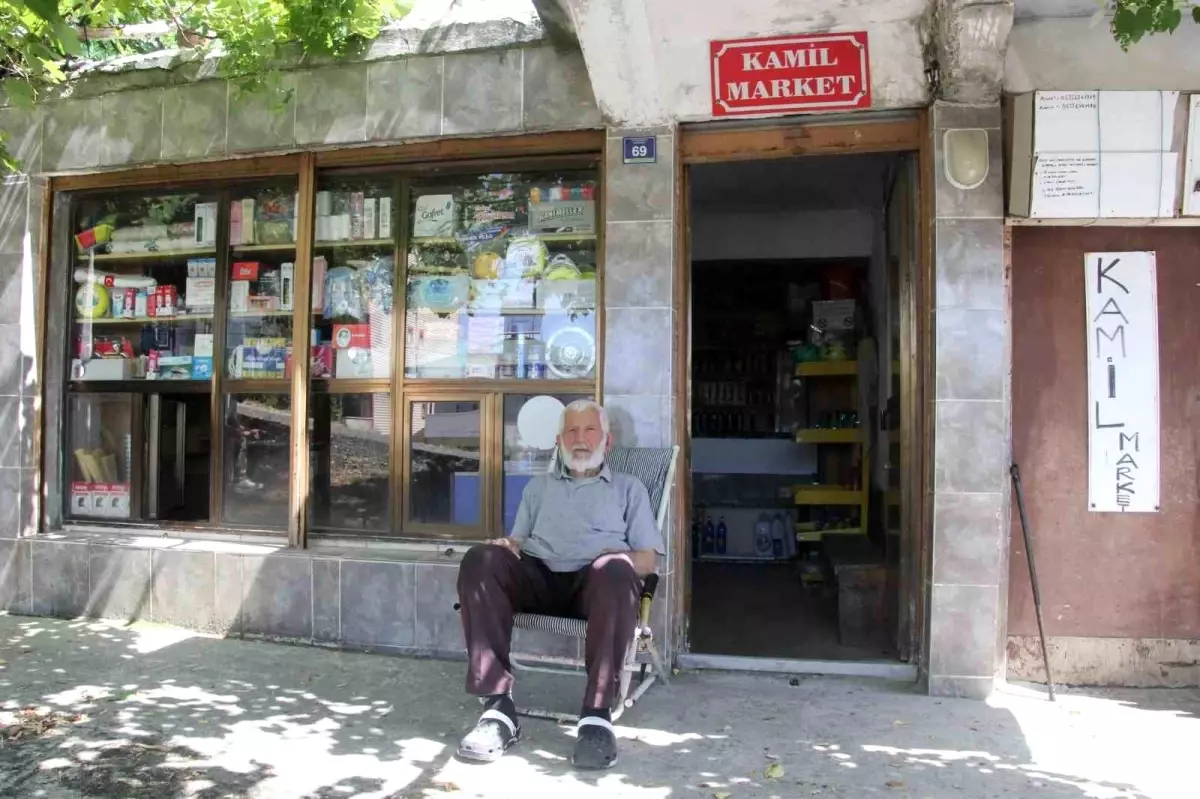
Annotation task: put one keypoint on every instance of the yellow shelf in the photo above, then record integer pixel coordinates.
(849, 435)
(241, 248)
(152, 255)
(826, 368)
(327, 245)
(827, 495)
(147, 320)
(810, 536)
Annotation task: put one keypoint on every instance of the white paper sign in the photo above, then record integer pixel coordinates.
(1122, 345)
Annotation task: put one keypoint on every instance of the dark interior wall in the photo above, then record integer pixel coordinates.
(1102, 575)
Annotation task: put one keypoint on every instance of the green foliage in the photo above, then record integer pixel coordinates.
(40, 40)
(1132, 20)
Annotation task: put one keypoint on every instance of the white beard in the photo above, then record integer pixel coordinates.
(579, 465)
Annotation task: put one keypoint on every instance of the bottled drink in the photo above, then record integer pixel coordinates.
(709, 545)
(722, 536)
(696, 536)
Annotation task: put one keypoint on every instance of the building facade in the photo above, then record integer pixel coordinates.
(536, 101)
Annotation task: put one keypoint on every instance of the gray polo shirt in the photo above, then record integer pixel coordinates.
(569, 522)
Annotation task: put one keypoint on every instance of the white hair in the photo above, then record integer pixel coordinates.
(580, 406)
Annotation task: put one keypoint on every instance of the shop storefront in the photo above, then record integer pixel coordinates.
(279, 367)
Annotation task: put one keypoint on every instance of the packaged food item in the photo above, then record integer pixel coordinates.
(344, 295)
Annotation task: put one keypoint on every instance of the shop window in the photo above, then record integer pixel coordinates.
(501, 277)
(440, 300)
(530, 441)
(257, 438)
(350, 444)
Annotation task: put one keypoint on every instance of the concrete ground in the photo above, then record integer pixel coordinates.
(92, 709)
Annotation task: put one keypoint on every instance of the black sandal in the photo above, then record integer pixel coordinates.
(493, 735)
(596, 746)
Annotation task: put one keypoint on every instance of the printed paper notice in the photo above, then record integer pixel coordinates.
(1066, 186)
(1067, 122)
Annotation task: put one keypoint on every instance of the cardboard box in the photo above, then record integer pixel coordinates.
(352, 363)
(318, 283)
(201, 292)
(348, 336)
(245, 270)
(433, 215)
(202, 368)
(203, 347)
(102, 369)
(205, 217)
(239, 295)
(385, 217)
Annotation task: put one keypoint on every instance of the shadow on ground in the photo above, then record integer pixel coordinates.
(92, 709)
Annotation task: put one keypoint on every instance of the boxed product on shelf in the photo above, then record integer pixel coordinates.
(370, 218)
(109, 500)
(205, 217)
(203, 345)
(385, 217)
(433, 215)
(357, 212)
(102, 369)
(239, 295)
(262, 303)
(502, 294)
(320, 266)
(287, 286)
(351, 336)
(574, 216)
(259, 358)
(174, 367)
(562, 295)
(354, 362)
(274, 218)
(246, 270)
(200, 292)
(202, 367)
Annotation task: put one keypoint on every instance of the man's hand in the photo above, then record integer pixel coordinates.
(511, 544)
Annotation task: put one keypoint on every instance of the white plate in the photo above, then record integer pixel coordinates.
(537, 422)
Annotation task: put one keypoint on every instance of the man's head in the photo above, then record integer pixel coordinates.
(583, 436)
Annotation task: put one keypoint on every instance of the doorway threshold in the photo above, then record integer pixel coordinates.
(880, 669)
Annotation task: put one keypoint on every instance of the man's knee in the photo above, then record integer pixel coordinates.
(615, 573)
(481, 561)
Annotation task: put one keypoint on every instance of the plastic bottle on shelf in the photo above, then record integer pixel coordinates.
(722, 536)
(696, 536)
(762, 536)
(779, 547)
(709, 545)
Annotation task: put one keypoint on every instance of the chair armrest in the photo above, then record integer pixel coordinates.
(649, 586)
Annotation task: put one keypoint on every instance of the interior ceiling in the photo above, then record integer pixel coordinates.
(803, 184)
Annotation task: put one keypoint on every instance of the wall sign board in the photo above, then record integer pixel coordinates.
(1123, 408)
(639, 149)
(811, 72)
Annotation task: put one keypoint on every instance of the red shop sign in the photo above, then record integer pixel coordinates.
(811, 72)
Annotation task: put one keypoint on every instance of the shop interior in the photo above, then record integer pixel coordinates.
(795, 405)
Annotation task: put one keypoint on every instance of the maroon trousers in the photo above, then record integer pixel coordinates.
(494, 584)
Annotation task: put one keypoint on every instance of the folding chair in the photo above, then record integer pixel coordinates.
(655, 467)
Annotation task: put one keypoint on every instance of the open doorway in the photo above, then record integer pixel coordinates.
(801, 364)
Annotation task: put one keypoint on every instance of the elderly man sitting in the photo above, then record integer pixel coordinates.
(583, 538)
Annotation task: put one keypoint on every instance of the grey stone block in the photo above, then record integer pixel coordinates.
(438, 624)
(482, 93)
(30, 504)
(37, 208)
(277, 596)
(967, 539)
(638, 351)
(10, 443)
(227, 594)
(120, 583)
(60, 579)
(404, 99)
(327, 600)
(23, 129)
(15, 576)
(972, 354)
(979, 688)
(986, 200)
(639, 264)
(262, 120)
(133, 127)
(962, 635)
(16, 367)
(637, 420)
(28, 452)
(640, 192)
(331, 105)
(14, 210)
(182, 590)
(72, 134)
(947, 116)
(195, 118)
(970, 264)
(558, 92)
(378, 603)
(970, 447)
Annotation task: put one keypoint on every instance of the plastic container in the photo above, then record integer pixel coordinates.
(779, 547)
(709, 545)
(722, 536)
(762, 536)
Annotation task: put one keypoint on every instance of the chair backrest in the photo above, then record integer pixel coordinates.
(654, 466)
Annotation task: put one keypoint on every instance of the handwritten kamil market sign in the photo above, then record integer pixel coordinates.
(1122, 344)
(812, 72)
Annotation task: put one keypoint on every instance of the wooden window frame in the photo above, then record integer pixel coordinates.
(537, 152)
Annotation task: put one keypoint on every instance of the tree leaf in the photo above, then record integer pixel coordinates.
(46, 9)
(1196, 14)
(774, 771)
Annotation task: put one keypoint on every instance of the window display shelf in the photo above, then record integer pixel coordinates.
(827, 495)
(141, 385)
(850, 435)
(809, 536)
(146, 320)
(365, 243)
(241, 248)
(826, 368)
(260, 314)
(544, 237)
(149, 255)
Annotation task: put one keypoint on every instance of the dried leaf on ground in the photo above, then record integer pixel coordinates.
(722, 795)
(894, 784)
(774, 771)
